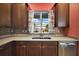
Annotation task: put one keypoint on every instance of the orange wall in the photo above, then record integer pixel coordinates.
(74, 20)
(41, 6)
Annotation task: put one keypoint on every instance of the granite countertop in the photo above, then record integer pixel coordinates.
(29, 38)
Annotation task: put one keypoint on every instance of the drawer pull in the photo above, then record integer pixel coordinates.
(40, 46)
(43, 46)
(24, 46)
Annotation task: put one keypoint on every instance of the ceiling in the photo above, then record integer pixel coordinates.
(41, 6)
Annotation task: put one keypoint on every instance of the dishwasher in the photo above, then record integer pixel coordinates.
(67, 48)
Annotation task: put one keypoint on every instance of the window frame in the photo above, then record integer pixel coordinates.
(31, 14)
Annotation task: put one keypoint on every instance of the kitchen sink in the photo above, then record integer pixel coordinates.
(41, 37)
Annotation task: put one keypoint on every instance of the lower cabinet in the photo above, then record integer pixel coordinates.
(49, 48)
(6, 50)
(34, 48)
(21, 48)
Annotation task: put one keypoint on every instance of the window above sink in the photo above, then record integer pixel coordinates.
(40, 22)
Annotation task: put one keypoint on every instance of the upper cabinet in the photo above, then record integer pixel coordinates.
(19, 17)
(5, 18)
(62, 14)
(5, 14)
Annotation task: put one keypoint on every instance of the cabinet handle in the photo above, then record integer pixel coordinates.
(40, 46)
(24, 46)
(43, 46)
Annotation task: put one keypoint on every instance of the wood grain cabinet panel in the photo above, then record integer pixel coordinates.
(29, 48)
(62, 15)
(21, 49)
(34, 48)
(6, 50)
(5, 14)
(49, 48)
(19, 17)
(49, 51)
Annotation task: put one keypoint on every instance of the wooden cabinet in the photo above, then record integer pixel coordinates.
(6, 50)
(36, 48)
(29, 48)
(5, 14)
(62, 15)
(19, 17)
(5, 18)
(42, 48)
(21, 49)
(49, 49)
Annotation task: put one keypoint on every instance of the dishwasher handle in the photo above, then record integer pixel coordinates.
(71, 44)
(65, 44)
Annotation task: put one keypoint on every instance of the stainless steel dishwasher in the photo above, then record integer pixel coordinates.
(67, 48)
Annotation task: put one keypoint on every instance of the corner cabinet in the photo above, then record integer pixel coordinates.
(37, 48)
(6, 50)
(62, 15)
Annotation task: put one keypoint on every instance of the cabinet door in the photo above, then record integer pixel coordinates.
(21, 48)
(5, 18)
(62, 15)
(6, 50)
(5, 14)
(49, 49)
(19, 17)
(34, 48)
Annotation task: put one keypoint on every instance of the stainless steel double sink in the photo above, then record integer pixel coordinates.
(41, 37)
